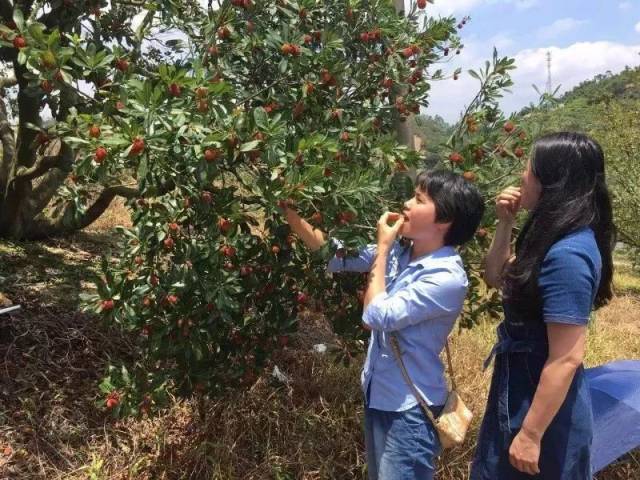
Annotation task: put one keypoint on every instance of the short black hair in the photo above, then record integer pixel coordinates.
(457, 200)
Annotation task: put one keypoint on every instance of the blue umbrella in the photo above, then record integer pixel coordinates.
(615, 394)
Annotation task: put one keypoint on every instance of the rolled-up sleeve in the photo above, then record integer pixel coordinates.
(433, 294)
(568, 281)
(360, 263)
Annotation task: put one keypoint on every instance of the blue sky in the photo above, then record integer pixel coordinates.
(585, 37)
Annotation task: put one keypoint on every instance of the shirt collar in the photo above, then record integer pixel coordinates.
(442, 252)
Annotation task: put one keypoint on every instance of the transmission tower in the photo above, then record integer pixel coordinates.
(549, 84)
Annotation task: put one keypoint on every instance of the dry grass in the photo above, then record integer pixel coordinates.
(53, 425)
(116, 215)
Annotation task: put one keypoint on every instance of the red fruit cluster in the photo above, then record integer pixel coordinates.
(519, 152)
(242, 3)
(290, 49)
(372, 36)
(410, 51)
(422, 4)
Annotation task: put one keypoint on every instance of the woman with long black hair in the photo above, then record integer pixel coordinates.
(538, 420)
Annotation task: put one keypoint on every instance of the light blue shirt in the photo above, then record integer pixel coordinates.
(423, 298)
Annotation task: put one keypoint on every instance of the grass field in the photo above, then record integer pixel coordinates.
(53, 425)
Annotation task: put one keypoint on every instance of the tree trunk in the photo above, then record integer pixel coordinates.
(404, 130)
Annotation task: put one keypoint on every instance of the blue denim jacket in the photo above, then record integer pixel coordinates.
(423, 298)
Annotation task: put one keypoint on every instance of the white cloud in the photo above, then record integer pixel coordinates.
(463, 7)
(625, 6)
(560, 26)
(637, 27)
(570, 66)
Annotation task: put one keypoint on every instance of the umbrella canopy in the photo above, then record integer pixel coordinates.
(615, 395)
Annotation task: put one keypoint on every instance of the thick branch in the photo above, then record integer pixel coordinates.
(8, 145)
(46, 186)
(42, 165)
(65, 223)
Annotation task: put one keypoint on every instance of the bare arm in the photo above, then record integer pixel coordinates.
(507, 205)
(313, 238)
(498, 255)
(566, 352)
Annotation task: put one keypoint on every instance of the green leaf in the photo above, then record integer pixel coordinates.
(142, 168)
(18, 18)
(260, 117)
(245, 147)
(282, 67)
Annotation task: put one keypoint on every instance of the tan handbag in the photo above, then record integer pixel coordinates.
(453, 422)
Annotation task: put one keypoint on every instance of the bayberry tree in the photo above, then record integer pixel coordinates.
(255, 104)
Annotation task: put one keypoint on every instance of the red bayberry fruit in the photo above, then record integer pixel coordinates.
(94, 131)
(122, 64)
(175, 90)
(211, 155)
(224, 225)
(469, 176)
(113, 400)
(46, 86)
(509, 127)
(224, 33)
(169, 243)
(455, 157)
(137, 147)
(206, 197)
(100, 155)
(19, 42)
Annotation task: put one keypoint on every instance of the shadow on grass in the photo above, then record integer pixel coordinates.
(52, 273)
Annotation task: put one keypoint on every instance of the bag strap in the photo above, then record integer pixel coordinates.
(395, 346)
(452, 377)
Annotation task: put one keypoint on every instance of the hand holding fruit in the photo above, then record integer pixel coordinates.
(387, 233)
(508, 204)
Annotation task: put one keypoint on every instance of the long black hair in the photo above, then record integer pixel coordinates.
(570, 169)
